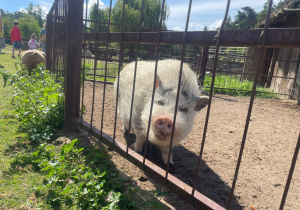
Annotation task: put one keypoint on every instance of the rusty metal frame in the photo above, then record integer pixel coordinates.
(283, 37)
(266, 37)
(177, 186)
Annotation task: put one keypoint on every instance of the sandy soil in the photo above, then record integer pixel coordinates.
(269, 148)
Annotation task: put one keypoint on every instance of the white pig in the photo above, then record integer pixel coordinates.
(166, 86)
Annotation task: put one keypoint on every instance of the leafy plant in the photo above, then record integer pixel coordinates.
(39, 103)
(74, 178)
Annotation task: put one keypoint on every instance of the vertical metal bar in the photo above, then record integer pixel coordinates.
(259, 66)
(295, 79)
(74, 23)
(95, 65)
(119, 69)
(105, 73)
(178, 85)
(289, 179)
(155, 76)
(78, 22)
(83, 72)
(53, 69)
(218, 39)
(49, 43)
(135, 69)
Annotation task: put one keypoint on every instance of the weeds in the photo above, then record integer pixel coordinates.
(232, 85)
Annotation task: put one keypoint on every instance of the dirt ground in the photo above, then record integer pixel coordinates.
(268, 152)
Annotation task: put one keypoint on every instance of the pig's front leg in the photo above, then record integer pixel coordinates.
(139, 141)
(164, 155)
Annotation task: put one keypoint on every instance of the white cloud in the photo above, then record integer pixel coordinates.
(215, 24)
(89, 6)
(177, 28)
(195, 27)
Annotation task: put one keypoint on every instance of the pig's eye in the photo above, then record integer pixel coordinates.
(160, 103)
(183, 110)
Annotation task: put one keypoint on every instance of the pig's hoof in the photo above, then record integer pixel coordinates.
(138, 146)
(171, 162)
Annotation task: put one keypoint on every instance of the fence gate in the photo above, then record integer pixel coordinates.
(90, 49)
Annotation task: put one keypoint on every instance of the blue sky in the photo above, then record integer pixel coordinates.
(204, 12)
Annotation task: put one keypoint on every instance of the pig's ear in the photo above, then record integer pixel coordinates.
(201, 102)
(157, 82)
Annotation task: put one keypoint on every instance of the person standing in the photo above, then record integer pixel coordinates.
(43, 37)
(33, 44)
(16, 40)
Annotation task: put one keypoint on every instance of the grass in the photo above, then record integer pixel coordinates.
(232, 85)
(16, 184)
(70, 175)
(112, 71)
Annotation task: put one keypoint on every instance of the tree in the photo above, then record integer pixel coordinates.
(35, 11)
(205, 28)
(151, 14)
(229, 24)
(28, 25)
(102, 16)
(261, 16)
(246, 19)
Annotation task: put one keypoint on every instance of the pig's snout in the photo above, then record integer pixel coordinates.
(164, 127)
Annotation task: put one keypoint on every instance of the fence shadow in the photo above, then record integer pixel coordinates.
(185, 163)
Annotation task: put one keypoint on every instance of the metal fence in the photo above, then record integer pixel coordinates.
(70, 33)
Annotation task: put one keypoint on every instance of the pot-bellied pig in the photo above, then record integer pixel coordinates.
(166, 86)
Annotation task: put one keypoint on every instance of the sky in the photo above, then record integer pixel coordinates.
(204, 12)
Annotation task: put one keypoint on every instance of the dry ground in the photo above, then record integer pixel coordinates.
(270, 144)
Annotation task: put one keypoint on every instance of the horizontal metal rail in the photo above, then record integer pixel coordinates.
(283, 37)
(177, 186)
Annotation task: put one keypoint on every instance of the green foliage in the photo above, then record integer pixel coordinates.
(246, 19)
(30, 20)
(38, 102)
(102, 16)
(28, 24)
(152, 10)
(74, 178)
(232, 85)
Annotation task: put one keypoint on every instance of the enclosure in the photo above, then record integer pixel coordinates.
(242, 150)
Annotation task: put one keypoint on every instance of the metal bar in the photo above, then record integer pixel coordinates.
(184, 191)
(289, 179)
(218, 40)
(158, 42)
(78, 28)
(283, 37)
(135, 69)
(73, 25)
(49, 42)
(95, 64)
(258, 67)
(84, 58)
(178, 85)
(119, 69)
(106, 49)
(230, 72)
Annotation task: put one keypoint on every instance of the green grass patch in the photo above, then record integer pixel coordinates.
(99, 74)
(232, 85)
(36, 174)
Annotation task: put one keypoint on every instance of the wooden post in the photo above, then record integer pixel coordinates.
(73, 61)
(203, 65)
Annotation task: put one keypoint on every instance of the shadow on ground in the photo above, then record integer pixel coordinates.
(208, 183)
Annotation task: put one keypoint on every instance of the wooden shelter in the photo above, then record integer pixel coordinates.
(280, 71)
